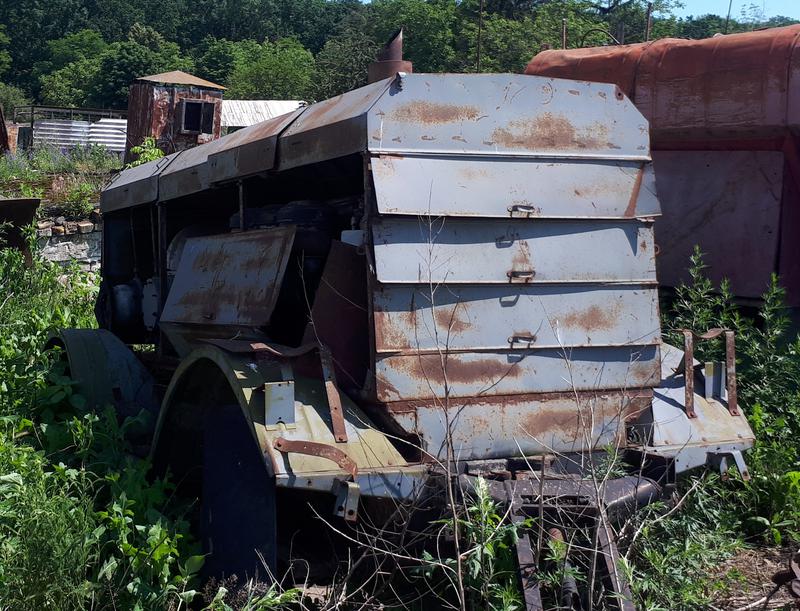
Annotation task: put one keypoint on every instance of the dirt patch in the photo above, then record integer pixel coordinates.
(748, 574)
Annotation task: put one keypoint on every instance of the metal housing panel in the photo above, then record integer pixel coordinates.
(188, 173)
(491, 317)
(331, 128)
(425, 250)
(728, 203)
(492, 427)
(504, 188)
(134, 186)
(507, 114)
(229, 279)
(248, 151)
(515, 372)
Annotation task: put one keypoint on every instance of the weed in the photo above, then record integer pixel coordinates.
(674, 552)
(147, 151)
(81, 525)
(488, 556)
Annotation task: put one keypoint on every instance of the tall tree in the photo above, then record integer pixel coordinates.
(31, 22)
(342, 64)
(428, 30)
(282, 71)
(217, 58)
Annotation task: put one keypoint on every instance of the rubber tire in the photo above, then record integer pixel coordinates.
(238, 526)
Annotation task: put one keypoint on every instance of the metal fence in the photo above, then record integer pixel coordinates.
(68, 127)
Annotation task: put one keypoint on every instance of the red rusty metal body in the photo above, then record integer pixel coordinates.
(724, 116)
(154, 106)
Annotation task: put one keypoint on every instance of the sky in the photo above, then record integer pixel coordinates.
(771, 8)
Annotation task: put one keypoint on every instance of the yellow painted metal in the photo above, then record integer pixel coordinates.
(249, 377)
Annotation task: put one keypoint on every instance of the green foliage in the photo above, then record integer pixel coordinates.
(147, 151)
(81, 526)
(5, 56)
(69, 180)
(69, 86)
(84, 44)
(671, 557)
(342, 63)
(488, 557)
(429, 30)
(672, 552)
(10, 97)
(80, 200)
(280, 71)
(85, 40)
(507, 45)
(273, 598)
(217, 58)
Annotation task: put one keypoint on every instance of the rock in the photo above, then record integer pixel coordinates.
(60, 220)
(44, 225)
(45, 232)
(85, 226)
(71, 227)
(58, 230)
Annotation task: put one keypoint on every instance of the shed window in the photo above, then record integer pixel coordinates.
(197, 117)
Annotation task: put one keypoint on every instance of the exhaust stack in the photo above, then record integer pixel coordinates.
(390, 60)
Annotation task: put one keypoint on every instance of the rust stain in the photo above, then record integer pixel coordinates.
(567, 421)
(630, 211)
(593, 319)
(394, 334)
(431, 369)
(471, 172)
(522, 257)
(431, 113)
(637, 398)
(550, 131)
(448, 319)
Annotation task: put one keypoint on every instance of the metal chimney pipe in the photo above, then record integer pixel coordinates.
(390, 60)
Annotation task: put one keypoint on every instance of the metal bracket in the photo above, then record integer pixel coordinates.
(334, 399)
(527, 339)
(522, 276)
(730, 367)
(347, 501)
(321, 450)
(279, 404)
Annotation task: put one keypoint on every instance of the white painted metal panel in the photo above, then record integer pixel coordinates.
(507, 115)
(412, 318)
(110, 133)
(505, 188)
(60, 133)
(451, 250)
(517, 372)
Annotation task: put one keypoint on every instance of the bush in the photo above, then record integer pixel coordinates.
(11, 97)
(81, 525)
(718, 516)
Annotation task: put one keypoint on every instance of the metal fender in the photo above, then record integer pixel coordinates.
(107, 372)
(289, 419)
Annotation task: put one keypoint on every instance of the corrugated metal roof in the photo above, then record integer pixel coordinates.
(178, 77)
(241, 113)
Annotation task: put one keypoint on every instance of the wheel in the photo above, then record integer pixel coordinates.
(238, 499)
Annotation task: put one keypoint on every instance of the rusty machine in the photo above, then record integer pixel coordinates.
(430, 277)
(724, 115)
